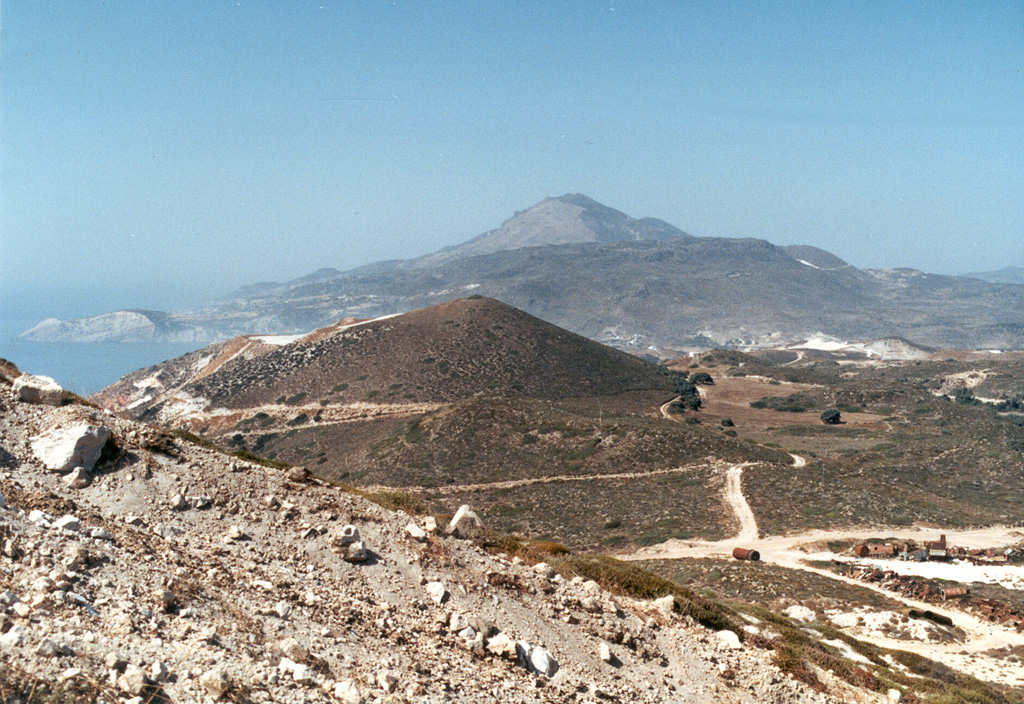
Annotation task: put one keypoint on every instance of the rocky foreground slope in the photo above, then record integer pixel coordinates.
(168, 571)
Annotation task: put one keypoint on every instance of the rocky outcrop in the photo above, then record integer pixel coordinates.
(127, 587)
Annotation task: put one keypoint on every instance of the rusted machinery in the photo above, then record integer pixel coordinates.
(745, 554)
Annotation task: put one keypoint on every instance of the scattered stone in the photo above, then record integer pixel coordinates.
(437, 592)
(215, 681)
(430, 524)
(201, 502)
(386, 680)
(298, 474)
(158, 671)
(64, 448)
(895, 696)
(347, 692)
(536, 659)
(729, 640)
(178, 503)
(165, 598)
(502, 646)
(416, 533)
(47, 649)
(293, 650)
(346, 536)
(666, 605)
(30, 388)
(234, 534)
(283, 609)
(801, 613)
(465, 523)
(604, 651)
(544, 570)
(356, 552)
(78, 478)
(68, 522)
(133, 681)
(100, 534)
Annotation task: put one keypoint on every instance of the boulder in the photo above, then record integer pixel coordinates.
(77, 445)
(37, 389)
(465, 523)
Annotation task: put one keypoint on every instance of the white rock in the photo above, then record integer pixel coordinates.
(283, 609)
(536, 659)
(801, 613)
(895, 696)
(133, 681)
(292, 649)
(605, 653)
(40, 518)
(68, 522)
(457, 622)
(347, 535)
(100, 534)
(502, 646)
(729, 639)
(386, 680)
(15, 636)
(666, 605)
(158, 671)
(37, 389)
(544, 569)
(356, 552)
(215, 682)
(465, 522)
(437, 592)
(178, 503)
(77, 445)
(416, 533)
(347, 692)
(430, 524)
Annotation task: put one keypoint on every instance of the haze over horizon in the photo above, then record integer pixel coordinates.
(157, 155)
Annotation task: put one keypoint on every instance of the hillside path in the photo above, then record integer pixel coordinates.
(738, 503)
(513, 483)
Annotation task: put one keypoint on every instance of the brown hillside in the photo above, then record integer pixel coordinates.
(447, 352)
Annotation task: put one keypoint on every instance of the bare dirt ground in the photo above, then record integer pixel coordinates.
(792, 551)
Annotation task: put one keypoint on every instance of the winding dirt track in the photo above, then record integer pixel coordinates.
(789, 551)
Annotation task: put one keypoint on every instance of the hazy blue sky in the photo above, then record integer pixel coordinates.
(155, 152)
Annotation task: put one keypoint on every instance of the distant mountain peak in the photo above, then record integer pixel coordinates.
(572, 218)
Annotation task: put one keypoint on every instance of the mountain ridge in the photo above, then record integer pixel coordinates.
(638, 284)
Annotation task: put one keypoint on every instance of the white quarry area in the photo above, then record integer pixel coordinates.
(877, 349)
(277, 340)
(959, 571)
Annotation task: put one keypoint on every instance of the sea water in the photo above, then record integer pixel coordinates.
(88, 367)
